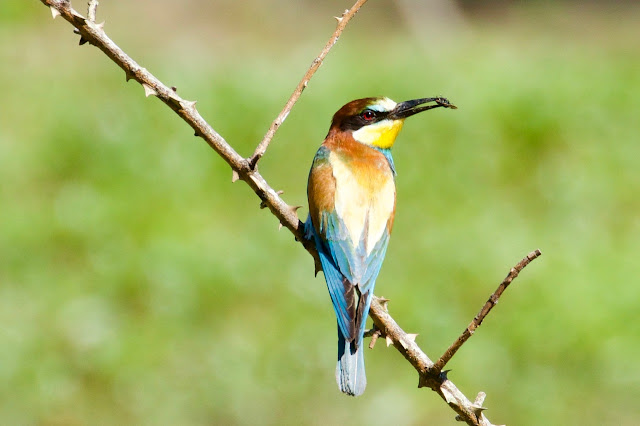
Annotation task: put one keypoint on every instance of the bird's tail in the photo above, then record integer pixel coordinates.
(350, 373)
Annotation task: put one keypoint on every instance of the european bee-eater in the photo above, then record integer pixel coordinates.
(352, 202)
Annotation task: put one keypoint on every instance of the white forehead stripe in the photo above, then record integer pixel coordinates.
(383, 105)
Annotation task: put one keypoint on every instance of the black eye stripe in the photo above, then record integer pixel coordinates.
(358, 121)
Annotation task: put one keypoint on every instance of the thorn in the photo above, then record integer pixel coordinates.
(384, 302)
(444, 375)
(280, 225)
(263, 204)
(280, 192)
(82, 39)
(422, 382)
(54, 12)
(317, 266)
(477, 409)
(234, 176)
(100, 26)
(185, 104)
(148, 90)
(339, 19)
(128, 75)
(294, 209)
(477, 404)
(174, 88)
(388, 340)
(412, 337)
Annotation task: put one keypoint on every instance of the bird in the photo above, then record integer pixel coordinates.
(352, 200)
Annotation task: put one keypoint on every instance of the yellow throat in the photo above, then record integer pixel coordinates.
(381, 134)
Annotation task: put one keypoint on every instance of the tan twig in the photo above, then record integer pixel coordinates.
(477, 320)
(342, 23)
(428, 377)
(242, 169)
(94, 33)
(374, 333)
(91, 10)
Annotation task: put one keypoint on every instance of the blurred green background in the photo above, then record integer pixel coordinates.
(138, 285)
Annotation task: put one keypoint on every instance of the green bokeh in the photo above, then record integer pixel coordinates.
(139, 286)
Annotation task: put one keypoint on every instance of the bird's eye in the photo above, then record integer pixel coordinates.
(368, 115)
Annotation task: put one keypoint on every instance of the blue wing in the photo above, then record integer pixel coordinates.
(335, 279)
(350, 272)
(346, 267)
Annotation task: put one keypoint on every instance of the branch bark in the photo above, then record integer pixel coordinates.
(244, 168)
(94, 34)
(468, 411)
(431, 374)
(493, 301)
(91, 10)
(342, 24)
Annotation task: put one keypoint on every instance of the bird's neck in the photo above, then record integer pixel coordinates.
(356, 152)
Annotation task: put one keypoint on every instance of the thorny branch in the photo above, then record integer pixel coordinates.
(431, 375)
(493, 301)
(244, 168)
(342, 23)
(405, 343)
(94, 34)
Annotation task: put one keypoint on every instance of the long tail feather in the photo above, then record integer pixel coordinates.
(350, 373)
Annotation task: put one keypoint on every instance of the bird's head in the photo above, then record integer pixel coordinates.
(377, 121)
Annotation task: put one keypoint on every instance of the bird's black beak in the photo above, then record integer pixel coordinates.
(409, 108)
